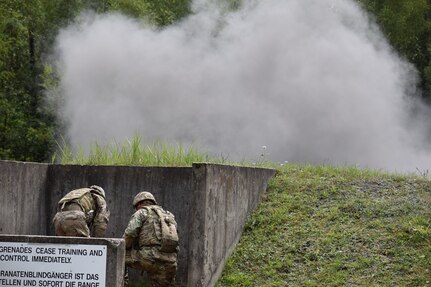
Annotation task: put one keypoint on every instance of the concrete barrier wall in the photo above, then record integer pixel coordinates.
(23, 198)
(210, 203)
(223, 198)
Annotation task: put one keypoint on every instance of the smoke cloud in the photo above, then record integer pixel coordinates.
(312, 80)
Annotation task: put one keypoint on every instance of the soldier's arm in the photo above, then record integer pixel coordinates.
(101, 219)
(133, 228)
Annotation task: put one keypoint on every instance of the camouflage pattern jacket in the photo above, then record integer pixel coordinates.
(144, 228)
(93, 205)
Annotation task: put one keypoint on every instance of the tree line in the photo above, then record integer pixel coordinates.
(29, 128)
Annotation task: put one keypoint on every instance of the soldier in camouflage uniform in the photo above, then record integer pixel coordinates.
(153, 230)
(80, 211)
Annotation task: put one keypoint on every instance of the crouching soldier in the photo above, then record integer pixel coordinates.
(152, 241)
(80, 211)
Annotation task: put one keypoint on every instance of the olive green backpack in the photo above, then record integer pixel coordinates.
(169, 241)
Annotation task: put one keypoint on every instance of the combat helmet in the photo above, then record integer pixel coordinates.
(143, 195)
(97, 189)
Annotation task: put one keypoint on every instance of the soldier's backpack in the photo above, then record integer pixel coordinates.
(169, 241)
(78, 196)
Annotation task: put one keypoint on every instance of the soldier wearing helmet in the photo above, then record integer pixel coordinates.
(154, 230)
(81, 211)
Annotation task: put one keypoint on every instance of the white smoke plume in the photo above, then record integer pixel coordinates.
(312, 80)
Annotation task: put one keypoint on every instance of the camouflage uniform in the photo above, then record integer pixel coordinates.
(81, 210)
(144, 230)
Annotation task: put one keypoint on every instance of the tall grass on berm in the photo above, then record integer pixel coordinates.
(132, 152)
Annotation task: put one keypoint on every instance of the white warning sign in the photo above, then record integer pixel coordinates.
(52, 265)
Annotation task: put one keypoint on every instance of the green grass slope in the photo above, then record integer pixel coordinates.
(325, 226)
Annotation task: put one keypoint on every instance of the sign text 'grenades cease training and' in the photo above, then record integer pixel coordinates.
(52, 265)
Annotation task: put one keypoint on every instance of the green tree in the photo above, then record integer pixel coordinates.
(27, 29)
(159, 12)
(407, 24)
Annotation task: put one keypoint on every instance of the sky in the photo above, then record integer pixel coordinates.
(306, 81)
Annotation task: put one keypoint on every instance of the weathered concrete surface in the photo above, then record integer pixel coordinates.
(23, 198)
(223, 198)
(115, 252)
(210, 203)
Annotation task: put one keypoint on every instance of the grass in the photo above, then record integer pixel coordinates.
(326, 226)
(136, 153)
(133, 152)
